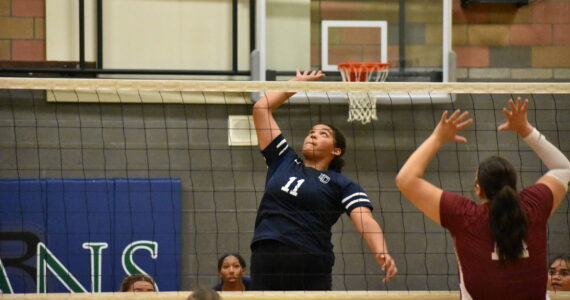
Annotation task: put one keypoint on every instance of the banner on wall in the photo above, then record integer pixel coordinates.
(86, 235)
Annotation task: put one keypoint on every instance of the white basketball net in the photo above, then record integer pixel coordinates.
(361, 105)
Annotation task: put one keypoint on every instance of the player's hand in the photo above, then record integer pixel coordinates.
(308, 75)
(448, 128)
(388, 265)
(516, 118)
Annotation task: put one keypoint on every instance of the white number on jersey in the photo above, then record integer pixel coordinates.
(525, 254)
(294, 191)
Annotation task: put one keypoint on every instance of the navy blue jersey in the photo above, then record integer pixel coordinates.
(301, 204)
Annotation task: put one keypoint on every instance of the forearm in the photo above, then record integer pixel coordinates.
(374, 237)
(265, 125)
(372, 234)
(369, 230)
(552, 157)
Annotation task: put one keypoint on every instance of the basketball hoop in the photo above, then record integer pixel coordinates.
(362, 106)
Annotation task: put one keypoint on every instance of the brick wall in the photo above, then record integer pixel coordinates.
(494, 41)
(423, 31)
(22, 30)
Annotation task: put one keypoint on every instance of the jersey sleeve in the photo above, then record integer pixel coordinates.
(538, 198)
(276, 150)
(454, 211)
(353, 196)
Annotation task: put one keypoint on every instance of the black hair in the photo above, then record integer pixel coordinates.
(128, 282)
(204, 293)
(223, 257)
(498, 180)
(564, 257)
(339, 142)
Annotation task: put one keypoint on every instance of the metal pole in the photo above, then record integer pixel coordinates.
(81, 34)
(234, 35)
(252, 25)
(99, 64)
(402, 35)
(447, 36)
(260, 13)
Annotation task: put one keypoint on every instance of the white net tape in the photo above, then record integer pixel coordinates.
(362, 106)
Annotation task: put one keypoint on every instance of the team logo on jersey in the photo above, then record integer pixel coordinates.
(324, 178)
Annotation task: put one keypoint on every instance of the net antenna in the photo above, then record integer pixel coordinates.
(362, 106)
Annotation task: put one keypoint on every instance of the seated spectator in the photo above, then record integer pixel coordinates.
(231, 269)
(138, 283)
(559, 274)
(204, 293)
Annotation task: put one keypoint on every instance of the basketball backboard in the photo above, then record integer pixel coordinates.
(414, 37)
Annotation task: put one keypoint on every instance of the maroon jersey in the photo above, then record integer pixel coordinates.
(482, 276)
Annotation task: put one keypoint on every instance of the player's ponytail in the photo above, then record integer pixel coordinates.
(498, 181)
(340, 142)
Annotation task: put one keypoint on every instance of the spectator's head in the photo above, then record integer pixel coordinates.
(204, 293)
(138, 283)
(231, 268)
(559, 274)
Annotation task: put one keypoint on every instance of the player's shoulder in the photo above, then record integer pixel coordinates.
(279, 143)
(280, 151)
(458, 204)
(537, 199)
(342, 180)
(334, 176)
(535, 194)
(536, 190)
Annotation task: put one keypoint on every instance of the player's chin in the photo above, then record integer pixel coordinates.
(308, 149)
(311, 152)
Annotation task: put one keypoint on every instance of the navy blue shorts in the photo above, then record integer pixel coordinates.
(279, 267)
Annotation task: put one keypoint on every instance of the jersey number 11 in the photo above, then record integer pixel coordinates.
(293, 192)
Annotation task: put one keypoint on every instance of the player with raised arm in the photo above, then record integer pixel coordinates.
(303, 199)
(500, 242)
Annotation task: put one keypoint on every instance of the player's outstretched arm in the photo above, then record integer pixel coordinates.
(266, 127)
(424, 195)
(373, 235)
(558, 176)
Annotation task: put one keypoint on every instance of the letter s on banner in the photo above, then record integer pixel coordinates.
(129, 266)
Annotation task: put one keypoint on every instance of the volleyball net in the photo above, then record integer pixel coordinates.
(101, 178)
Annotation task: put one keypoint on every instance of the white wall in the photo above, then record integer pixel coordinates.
(288, 34)
(179, 34)
(62, 30)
